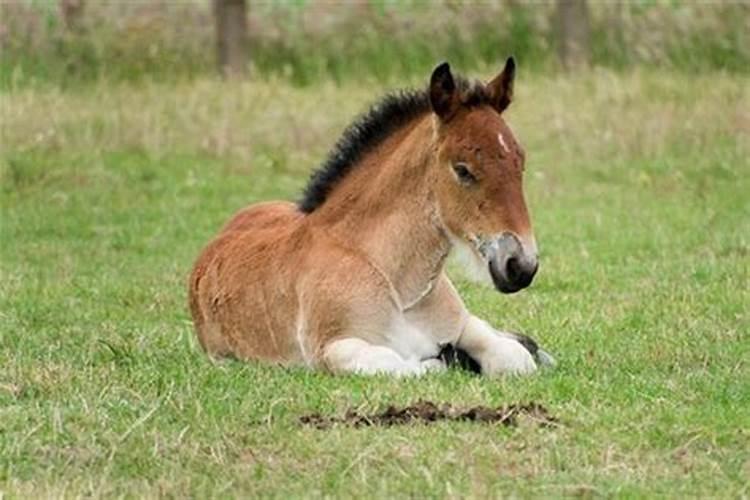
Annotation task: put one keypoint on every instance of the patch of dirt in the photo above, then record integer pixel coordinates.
(427, 412)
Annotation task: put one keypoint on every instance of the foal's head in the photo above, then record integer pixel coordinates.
(479, 176)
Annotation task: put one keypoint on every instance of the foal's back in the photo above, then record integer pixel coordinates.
(240, 319)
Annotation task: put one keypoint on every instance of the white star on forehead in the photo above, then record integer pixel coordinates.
(501, 140)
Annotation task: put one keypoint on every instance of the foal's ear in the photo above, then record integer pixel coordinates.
(443, 95)
(501, 88)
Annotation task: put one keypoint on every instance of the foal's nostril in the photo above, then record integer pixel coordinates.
(513, 269)
(520, 272)
(511, 266)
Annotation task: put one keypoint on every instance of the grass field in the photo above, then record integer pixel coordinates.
(638, 185)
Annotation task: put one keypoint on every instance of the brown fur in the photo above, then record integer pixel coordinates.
(281, 285)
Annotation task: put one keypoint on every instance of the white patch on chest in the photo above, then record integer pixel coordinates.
(411, 342)
(501, 140)
(300, 334)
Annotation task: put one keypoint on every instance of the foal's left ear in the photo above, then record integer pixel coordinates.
(501, 88)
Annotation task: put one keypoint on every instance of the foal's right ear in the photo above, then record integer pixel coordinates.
(501, 87)
(443, 95)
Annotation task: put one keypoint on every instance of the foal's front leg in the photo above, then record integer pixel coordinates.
(496, 352)
(355, 355)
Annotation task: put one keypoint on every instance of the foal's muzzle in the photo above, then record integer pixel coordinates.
(512, 268)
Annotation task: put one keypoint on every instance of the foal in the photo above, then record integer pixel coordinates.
(352, 278)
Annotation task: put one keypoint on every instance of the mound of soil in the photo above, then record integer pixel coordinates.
(428, 412)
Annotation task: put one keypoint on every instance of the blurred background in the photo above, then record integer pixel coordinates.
(67, 42)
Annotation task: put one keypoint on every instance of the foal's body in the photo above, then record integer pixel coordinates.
(356, 283)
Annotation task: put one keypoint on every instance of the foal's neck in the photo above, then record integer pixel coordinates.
(386, 209)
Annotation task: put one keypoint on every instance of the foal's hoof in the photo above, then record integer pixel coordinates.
(455, 357)
(542, 357)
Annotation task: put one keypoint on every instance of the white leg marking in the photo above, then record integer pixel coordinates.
(433, 365)
(501, 140)
(495, 352)
(358, 356)
(301, 336)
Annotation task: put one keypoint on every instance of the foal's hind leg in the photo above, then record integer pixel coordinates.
(359, 356)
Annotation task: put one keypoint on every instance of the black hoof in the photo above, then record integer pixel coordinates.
(458, 358)
(541, 356)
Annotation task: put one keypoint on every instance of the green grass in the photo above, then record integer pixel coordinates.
(638, 186)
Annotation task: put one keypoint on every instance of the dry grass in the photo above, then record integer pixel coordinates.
(596, 116)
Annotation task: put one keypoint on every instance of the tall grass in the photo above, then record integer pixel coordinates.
(596, 118)
(305, 41)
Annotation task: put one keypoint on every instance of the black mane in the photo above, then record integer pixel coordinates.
(370, 129)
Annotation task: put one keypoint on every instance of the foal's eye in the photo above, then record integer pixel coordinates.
(463, 173)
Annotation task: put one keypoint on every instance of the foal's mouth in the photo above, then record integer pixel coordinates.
(511, 267)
